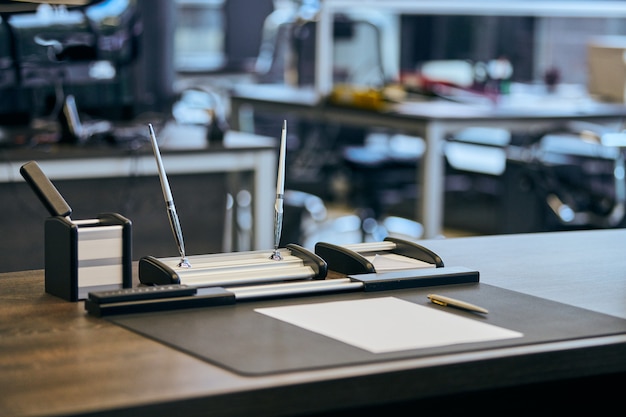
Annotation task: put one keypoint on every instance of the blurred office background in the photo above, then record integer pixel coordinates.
(567, 182)
(343, 180)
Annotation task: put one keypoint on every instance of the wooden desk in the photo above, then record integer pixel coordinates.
(432, 121)
(57, 360)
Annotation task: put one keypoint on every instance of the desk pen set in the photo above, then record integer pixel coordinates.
(225, 278)
(232, 268)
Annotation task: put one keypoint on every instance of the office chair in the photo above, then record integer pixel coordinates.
(382, 177)
(485, 190)
(503, 182)
(581, 181)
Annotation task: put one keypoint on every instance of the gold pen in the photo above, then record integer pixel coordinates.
(453, 302)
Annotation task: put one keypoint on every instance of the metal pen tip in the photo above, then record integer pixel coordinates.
(184, 263)
(276, 256)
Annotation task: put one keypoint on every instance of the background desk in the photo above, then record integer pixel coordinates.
(96, 180)
(428, 120)
(57, 360)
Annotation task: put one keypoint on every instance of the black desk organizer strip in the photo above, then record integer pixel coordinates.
(415, 278)
(244, 341)
(216, 296)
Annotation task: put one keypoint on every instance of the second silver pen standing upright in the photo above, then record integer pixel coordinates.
(280, 194)
(169, 202)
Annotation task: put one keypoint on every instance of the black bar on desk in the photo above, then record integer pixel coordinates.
(208, 297)
(216, 296)
(414, 278)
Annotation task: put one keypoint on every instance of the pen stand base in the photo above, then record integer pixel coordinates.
(87, 255)
(235, 268)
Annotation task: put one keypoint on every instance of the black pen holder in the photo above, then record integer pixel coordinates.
(87, 255)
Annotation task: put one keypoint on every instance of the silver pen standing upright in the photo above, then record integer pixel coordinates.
(280, 194)
(169, 202)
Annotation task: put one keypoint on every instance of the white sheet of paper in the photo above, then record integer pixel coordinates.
(387, 324)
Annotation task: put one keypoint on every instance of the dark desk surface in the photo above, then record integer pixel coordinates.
(57, 360)
(174, 139)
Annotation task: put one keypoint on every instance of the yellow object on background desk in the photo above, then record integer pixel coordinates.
(361, 97)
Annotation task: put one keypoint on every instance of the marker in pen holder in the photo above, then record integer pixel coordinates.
(82, 256)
